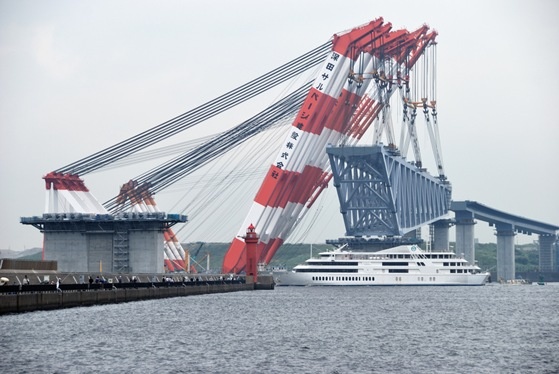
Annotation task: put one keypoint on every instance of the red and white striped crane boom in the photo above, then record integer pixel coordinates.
(336, 110)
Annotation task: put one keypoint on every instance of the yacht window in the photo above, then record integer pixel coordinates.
(395, 264)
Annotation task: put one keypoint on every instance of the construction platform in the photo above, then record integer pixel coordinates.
(121, 243)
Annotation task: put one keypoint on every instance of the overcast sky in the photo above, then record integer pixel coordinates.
(79, 76)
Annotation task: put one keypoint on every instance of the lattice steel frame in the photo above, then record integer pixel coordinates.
(380, 193)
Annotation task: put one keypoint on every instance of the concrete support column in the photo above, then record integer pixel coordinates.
(465, 235)
(441, 234)
(547, 257)
(505, 252)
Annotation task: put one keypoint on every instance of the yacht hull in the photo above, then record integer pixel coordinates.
(291, 278)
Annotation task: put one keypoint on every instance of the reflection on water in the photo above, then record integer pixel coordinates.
(491, 329)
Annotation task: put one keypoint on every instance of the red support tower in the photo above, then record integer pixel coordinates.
(251, 241)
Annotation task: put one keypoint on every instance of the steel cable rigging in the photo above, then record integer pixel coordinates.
(239, 174)
(173, 170)
(169, 150)
(239, 178)
(199, 114)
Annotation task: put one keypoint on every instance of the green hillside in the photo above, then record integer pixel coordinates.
(34, 254)
(289, 255)
(526, 257)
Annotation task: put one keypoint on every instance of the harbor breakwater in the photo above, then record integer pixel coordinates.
(28, 298)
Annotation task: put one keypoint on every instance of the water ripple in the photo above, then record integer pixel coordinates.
(492, 329)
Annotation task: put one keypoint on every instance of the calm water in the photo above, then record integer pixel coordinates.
(491, 329)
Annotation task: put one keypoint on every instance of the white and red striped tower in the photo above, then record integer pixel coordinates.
(296, 170)
(335, 110)
(67, 193)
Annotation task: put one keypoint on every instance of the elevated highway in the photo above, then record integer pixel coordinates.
(506, 225)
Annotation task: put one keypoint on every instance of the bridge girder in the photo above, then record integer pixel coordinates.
(380, 193)
(498, 218)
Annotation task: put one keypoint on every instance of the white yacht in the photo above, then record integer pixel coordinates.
(405, 265)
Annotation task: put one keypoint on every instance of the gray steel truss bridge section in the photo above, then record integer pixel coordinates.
(506, 226)
(382, 194)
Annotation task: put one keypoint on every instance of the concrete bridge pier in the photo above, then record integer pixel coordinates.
(505, 252)
(547, 257)
(441, 230)
(465, 235)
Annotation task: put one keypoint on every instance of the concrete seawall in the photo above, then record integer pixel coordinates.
(21, 301)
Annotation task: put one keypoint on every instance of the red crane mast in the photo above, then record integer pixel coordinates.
(327, 116)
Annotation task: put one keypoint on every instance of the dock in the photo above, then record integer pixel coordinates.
(75, 290)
